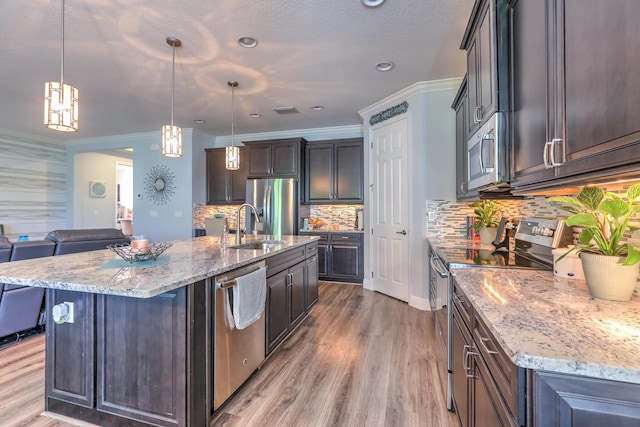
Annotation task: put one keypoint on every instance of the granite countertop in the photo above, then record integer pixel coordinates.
(188, 261)
(544, 322)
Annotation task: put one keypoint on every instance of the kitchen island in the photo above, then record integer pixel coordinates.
(576, 357)
(139, 349)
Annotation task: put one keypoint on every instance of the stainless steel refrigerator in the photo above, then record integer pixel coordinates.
(277, 203)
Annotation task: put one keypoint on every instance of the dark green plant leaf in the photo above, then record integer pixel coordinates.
(585, 236)
(633, 256)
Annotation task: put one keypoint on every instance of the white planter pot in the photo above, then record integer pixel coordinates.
(607, 278)
(487, 235)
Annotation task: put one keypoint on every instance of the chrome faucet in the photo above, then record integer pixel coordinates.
(253, 208)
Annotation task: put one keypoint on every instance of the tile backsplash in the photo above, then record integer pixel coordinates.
(449, 217)
(342, 216)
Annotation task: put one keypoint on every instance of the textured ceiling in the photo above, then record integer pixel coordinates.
(310, 52)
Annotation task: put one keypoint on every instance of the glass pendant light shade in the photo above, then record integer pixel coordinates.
(172, 135)
(61, 100)
(60, 107)
(171, 141)
(232, 162)
(233, 158)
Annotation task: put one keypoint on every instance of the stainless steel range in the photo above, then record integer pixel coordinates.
(535, 238)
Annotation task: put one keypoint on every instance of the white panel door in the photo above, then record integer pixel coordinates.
(389, 213)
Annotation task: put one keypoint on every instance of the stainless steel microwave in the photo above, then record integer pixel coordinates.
(488, 156)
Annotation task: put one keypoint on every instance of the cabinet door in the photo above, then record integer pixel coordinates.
(462, 346)
(530, 109)
(319, 172)
(488, 409)
(284, 159)
(138, 377)
(259, 160)
(71, 379)
(472, 76)
(277, 313)
(216, 177)
(486, 65)
(296, 294)
(348, 172)
(567, 401)
(323, 259)
(461, 141)
(311, 272)
(237, 192)
(600, 63)
(345, 258)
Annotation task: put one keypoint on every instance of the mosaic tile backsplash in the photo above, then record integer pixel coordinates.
(341, 216)
(450, 216)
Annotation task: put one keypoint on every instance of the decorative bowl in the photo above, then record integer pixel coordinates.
(131, 254)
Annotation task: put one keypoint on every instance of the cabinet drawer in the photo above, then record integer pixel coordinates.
(311, 249)
(285, 260)
(503, 371)
(337, 238)
(463, 304)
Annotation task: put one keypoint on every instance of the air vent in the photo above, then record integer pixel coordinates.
(286, 110)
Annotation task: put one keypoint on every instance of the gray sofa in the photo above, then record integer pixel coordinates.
(21, 306)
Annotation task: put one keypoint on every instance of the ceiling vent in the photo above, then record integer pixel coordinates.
(286, 110)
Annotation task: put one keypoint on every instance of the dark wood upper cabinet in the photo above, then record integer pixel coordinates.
(224, 186)
(277, 158)
(461, 107)
(575, 103)
(334, 171)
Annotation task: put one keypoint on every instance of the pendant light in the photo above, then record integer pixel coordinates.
(172, 135)
(61, 100)
(233, 152)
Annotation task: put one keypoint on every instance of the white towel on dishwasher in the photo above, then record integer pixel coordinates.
(249, 297)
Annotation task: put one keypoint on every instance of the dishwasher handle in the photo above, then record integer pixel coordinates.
(440, 269)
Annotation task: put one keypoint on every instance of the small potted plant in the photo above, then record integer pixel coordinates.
(485, 223)
(610, 264)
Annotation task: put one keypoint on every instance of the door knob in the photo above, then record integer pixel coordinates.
(403, 232)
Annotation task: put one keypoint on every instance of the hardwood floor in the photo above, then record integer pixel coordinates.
(359, 359)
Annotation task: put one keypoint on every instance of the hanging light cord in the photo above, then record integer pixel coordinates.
(62, 43)
(173, 82)
(233, 109)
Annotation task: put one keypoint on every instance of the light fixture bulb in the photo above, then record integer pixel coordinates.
(232, 157)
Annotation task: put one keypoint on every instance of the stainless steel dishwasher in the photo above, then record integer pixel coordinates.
(237, 353)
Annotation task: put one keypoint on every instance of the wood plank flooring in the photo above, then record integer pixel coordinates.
(360, 359)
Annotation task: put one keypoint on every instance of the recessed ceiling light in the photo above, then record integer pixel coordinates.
(372, 3)
(255, 115)
(317, 108)
(199, 121)
(248, 41)
(384, 66)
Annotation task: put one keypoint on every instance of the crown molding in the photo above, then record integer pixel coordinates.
(414, 89)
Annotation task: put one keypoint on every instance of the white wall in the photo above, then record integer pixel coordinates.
(431, 162)
(92, 212)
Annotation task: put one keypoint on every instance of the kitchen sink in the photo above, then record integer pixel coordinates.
(260, 245)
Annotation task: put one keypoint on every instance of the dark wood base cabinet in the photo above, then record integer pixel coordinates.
(340, 256)
(570, 401)
(130, 361)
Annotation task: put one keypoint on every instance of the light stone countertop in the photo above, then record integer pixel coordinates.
(544, 322)
(327, 230)
(189, 261)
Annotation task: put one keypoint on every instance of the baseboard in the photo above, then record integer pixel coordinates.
(419, 303)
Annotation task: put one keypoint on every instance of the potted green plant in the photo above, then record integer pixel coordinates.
(485, 223)
(610, 263)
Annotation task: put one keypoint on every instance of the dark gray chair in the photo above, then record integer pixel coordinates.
(20, 306)
(92, 239)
